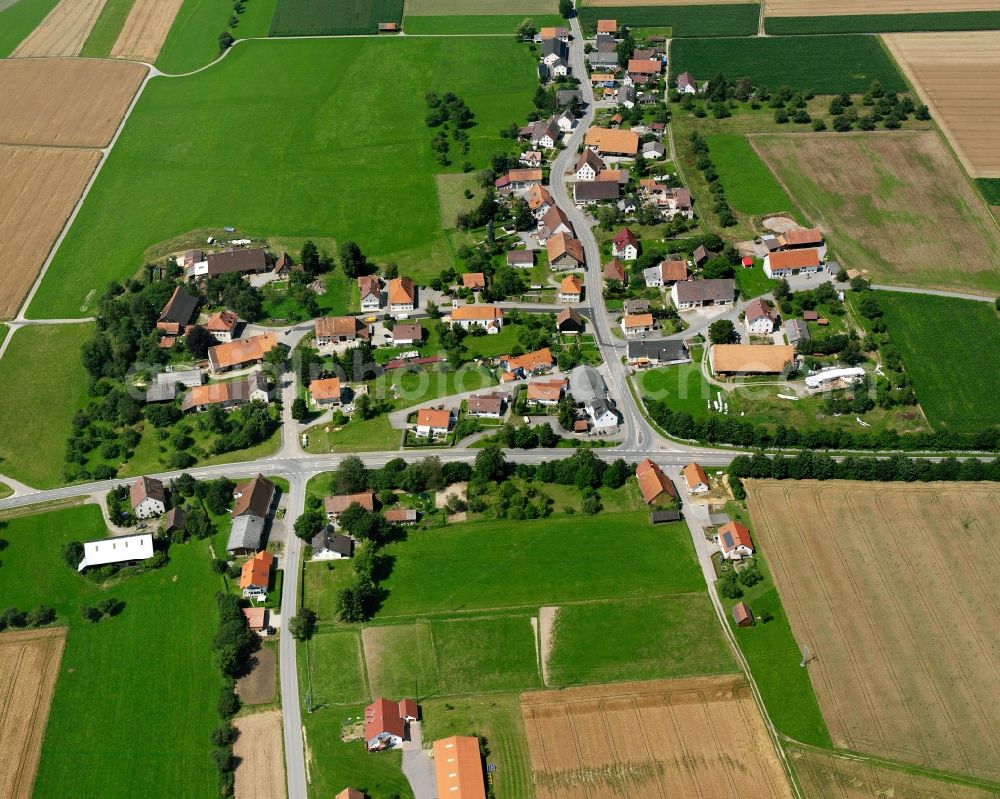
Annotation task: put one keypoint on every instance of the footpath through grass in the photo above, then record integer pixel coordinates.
(823, 64)
(956, 382)
(136, 694)
(283, 150)
(750, 186)
(44, 383)
(20, 19)
(885, 23)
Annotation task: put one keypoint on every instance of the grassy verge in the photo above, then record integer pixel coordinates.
(823, 64)
(684, 21)
(885, 23)
(773, 656)
(19, 20)
(44, 384)
(245, 107)
(105, 32)
(132, 746)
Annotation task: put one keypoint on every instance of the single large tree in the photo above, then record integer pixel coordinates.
(352, 260)
(722, 331)
(351, 476)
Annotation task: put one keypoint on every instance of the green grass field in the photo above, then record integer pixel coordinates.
(20, 19)
(496, 717)
(823, 64)
(885, 23)
(495, 564)
(684, 21)
(372, 435)
(750, 186)
(323, 18)
(105, 32)
(640, 639)
(44, 384)
(161, 661)
(682, 387)
(956, 387)
(275, 135)
(332, 664)
(990, 189)
(480, 655)
(774, 656)
(753, 282)
(475, 23)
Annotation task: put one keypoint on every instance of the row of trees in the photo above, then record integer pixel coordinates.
(704, 163)
(12, 618)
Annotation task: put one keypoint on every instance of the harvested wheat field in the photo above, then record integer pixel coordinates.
(29, 666)
(65, 102)
(145, 29)
(261, 772)
(42, 185)
(824, 8)
(693, 738)
(893, 588)
(894, 203)
(824, 775)
(957, 75)
(63, 31)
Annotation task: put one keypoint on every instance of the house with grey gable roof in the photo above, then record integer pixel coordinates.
(599, 59)
(589, 390)
(553, 50)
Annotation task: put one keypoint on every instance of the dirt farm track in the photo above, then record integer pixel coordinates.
(957, 75)
(29, 665)
(697, 738)
(892, 586)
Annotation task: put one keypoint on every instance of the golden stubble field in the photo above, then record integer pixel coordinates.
(892, 586)
(828, 776)
(41, 188)
(261, 772)
(824, 8)
(894, 203)
(63, 31)
(145, 29)
(957, 75)
(29, 665)
(698, 738)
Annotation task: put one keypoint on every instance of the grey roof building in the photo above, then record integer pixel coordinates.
(246, 534)
(589, 191)
(663, 351)
(555, 47)
(179, 308)
(566, 97)
(796, 330)
(589, 389)
(598, 59)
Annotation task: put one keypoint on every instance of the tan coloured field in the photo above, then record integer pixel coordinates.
(614, 3)
(63, 31)
(65, 102)
(145, 29)
(824, 775)
(957, 75)
(698, 738)
(430, 8)
(896, 204)
(892, 586)
(261, 772)
(42, 185)
(824, 8)
(29, 666)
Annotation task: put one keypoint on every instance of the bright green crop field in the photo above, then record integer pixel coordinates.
(955, 383)
(20, 19)
(823, 64)
(105, 31)
(684, 21)
(750, 186)
(318, 138)
(44, 383)
(136, 693)
(323, 18)
(193, 41)
(885, 23)
(475, 23)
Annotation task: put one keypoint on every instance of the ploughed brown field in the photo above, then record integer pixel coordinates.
(892, 586)
(894, 203)
(42, 185)
(29, 665)
(261, 771)
(63, 31)
(824, 8)
(65, 102)
(825, 775)
(957, 75)
(695, 738)
(145, 29)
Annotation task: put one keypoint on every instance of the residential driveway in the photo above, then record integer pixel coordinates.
(418, 768)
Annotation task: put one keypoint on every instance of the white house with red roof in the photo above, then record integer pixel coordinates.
(385, 727)
(625, 245)
(734, 541)
(760, 318)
